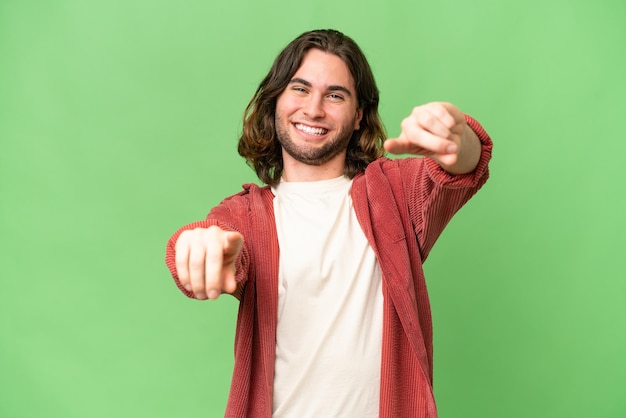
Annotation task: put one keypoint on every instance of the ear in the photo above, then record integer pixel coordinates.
(358, 118)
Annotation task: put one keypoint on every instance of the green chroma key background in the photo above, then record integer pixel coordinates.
(119, 122)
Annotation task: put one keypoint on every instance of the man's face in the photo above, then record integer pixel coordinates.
(318, 111)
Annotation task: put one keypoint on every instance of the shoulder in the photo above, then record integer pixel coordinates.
(241, 203)
(248, 192)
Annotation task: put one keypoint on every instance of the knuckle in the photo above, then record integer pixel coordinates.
(213, 230)
(417, 109)
(182, 241)
(426, 119)
(407, 123)
(438, 109)
(211, 236)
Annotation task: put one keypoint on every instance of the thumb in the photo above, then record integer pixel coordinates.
(232, 243)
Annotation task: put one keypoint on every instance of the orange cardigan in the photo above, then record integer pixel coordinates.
(402, 206)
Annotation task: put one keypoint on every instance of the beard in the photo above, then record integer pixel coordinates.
(309, 154)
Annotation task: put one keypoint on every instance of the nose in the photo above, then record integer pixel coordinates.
(314, 107)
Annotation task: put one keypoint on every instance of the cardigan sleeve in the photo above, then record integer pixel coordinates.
(434, 195)
(227, 215)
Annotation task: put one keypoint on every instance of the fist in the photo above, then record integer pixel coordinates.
(205, 261)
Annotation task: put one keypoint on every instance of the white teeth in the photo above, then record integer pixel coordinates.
(310, 130)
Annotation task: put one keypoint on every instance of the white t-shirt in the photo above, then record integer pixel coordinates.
(330, 304)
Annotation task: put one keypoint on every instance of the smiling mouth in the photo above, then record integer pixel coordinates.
(311, 130)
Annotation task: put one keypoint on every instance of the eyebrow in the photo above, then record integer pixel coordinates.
(297, 80)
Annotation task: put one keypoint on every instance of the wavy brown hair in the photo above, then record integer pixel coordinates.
(259, 144)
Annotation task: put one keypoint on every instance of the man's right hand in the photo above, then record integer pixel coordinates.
(205, 261)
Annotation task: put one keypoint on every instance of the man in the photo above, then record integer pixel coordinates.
(326, 259)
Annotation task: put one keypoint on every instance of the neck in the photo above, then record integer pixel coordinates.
(296, 171)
